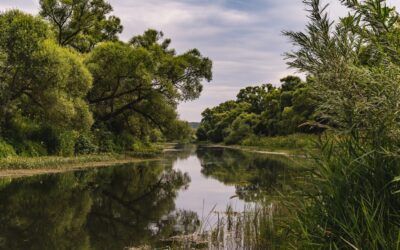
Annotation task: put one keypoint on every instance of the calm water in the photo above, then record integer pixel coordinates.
(135, 204)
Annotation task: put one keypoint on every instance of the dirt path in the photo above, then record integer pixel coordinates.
(15, 173)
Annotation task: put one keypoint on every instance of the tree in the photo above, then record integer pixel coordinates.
(255, 96)
(261, 110)
(180, 131)
(39, 79)
(289, 83)
(144, 79)
(81, 24)
(182, 73)
(216, 121)
(242, 127)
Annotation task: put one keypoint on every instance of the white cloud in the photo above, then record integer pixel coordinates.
(30, 6)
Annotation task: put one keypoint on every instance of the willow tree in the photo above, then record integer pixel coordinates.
(39, 79)
(143, 78)
(42, 88)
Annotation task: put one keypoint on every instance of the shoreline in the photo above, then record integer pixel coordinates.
(68, 166)
(30, 166)
(260, 150)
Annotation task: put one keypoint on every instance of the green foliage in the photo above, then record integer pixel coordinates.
(6, 150)
(351, 201)
(56, 100)
(30, 149)
(261, 110)
(242, 128)
(85, 145)
(144, 149)
(81, 24)
(41, 80)
(216, 120)
(180, 131)
(140, 83)
(105, 141)
(66, 142)
(294, 141)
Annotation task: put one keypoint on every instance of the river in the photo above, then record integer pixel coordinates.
(141, 204)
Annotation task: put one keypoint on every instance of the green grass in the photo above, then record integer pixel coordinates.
(294, 141)
(13, 161)
(150, 150)
(19, 162)
(351, 200)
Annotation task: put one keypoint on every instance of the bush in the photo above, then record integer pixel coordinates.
(66, 142)
(124, 141)
(141, 149)
(31, 149)
(105, 141)
(6, 150)
(85, 145)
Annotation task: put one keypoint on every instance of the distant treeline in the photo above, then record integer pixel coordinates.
(68, 85)
(261, 110)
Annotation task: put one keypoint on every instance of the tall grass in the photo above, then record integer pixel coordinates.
(257, 227)
(351, 201)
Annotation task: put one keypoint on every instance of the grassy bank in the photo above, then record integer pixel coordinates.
(294, 141)
(17, 162)
(59, 162)
(296, 144)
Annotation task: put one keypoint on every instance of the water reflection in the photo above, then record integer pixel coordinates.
(104, 209)
(130, 205)
(254, 175)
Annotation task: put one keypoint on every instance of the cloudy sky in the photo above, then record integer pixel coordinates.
(242, 37)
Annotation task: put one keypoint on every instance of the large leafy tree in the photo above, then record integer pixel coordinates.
(81, 24)
(216, 121)
(39, 79)
(143, 78)
(254, 96)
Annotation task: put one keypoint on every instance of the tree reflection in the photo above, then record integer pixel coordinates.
(108, 208)
(131, 205)
(45, 213)
(253, 175)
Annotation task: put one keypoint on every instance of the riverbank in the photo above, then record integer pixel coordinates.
(261, 150)
(296, 145)
(29, 166)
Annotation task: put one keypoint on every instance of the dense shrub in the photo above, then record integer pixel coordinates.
(31, 149)
(124, 141)
(85, 145)
(66, 142)
(105, 140)
(6, 150)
